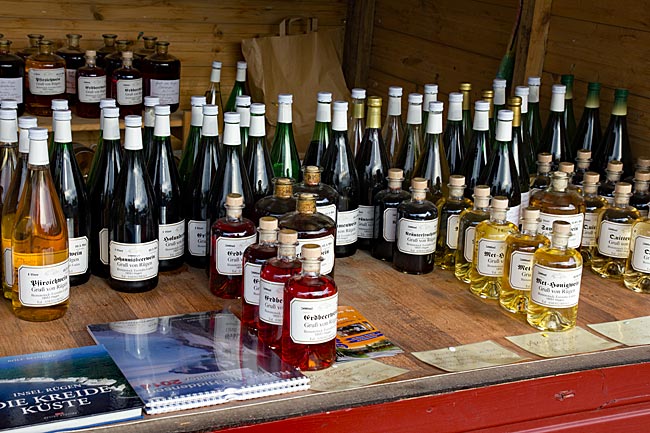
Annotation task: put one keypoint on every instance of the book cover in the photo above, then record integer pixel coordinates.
(357, 338)
(193, 360)
(64, 389)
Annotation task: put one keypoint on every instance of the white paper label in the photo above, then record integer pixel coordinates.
(43, 286)
(525, 199)
(329, 210)
(452, 231)
(134, 262)
(230, 254)
(555, 288)
(47, 81)
(490, 258)
(129, 92)
(252, 283)
(366, 221)
(8, 267)
(11, 88)
(589, 230)
(576, 222)
(347, 227)
(521, 270)
(197, 243)
(78, 255)
(171, 239)
(513, 215)
(417, 237)
(641, 254)
(390, 224)
(91, 89)
(468, 247)
(271, 298)
(70, 81)
(313, 321)
(614, 239)
(327, 251)
(103, 246)
(167, 90)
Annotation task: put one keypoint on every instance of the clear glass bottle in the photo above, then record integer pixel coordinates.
(453, 138)
(466, 89)
(162, 76)
(46, 80)
(411, 146)
(614, 173)
(239, 88)
(213, 94)
(640, 199)
(589, 132)
(90, 87)
(12, 76)
(534, 126)
(583, 165)
(637, 266)
(519, 148)
(543, 179)
(478, 149)
(106, 49)
(430, 94)
(615, 144)
(147, 49)
(593, 204)
(569, 116)
(126, 86)
(321, 136)
(257, 159)
(327, 198)
(57, 104)
(280, 202)
(284, 154)
(528, 146)
(432, 164)
(74, 59)
(568, 167)
(149, 124)
(8, 151)
(34, 41)
(386, 203)
(449, 210)
(393, 130)
(243, 103)
(357, 119)
(192, 144)
(467, 222)
(554, 140)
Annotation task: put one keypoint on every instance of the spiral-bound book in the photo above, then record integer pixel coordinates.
(194, 360)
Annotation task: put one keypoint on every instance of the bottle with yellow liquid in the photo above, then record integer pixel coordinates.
(555, 284)
(489, 251)
(467, 222)
(637, 266)
(449, 210)
(518, 269)
(593, 204)
(39, 242)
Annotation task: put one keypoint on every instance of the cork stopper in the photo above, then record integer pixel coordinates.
(456, 180)
(642, 175)
(268, 223)
(481, 191)
(127, 54)
(234, 199)
(566, 167)
(310, 252)
(283, 187)
(499, 203)
(591, 177)
(306, 203)
(561, 228)
(583, 155)
(531, 214)
(288, 237)
(544, 157)
(311, 175)
(615, 166)
(91, 53)
(420, 183)
(623, 188)
(643, 162)
(395, 173)
(374, 101)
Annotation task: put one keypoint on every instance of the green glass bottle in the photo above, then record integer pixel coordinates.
(466, 89)
(191, 150)
(430, 95)
(615, 144)
(411, 146)
(499, 87)
(321, 136)
(589, 132)
(238, 89)
(529, 147)
(284, 154)
(569, 115)
(243, 103)
(453, 137)
(535, 128)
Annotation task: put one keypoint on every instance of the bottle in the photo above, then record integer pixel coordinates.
(192, 145)
(614, 173)
(466, 89)
(310, 317)
(449, 210)
(12, 76)
(57, 104)
(39, 242)
(543, 178)
(213, 94)
(467, 222)
(554, 139)
(74, 59)
(478, 149)
(257, 159)
(274, 274)
(640, 199)
(165, 181)
(321, 137)
(488, 259)
(133, 230)
(244, 109)
(593, 204)
(642, 163)
(90, 87)
(411, 146)
(499, 88)
(106, 49)
(148, 48)
(501, 171)
(393, 129)
(357, 122)
(517, 268)
(534, 126)
(453, 137)
(589, 133)
(284, 154)
(229, 238)
(197, 191)
(567, 167)
(488, 96)
(8, 151)
(238, 89)
(519, 149)
(126, 86)
(34, 42)
(386, 203)
(149, 125)
(162, 76)
(101, 187)
(416, 231)
(637, 265)
(583, 165)
(279, 203)
(430, 95)
(615, 144)
(254, 258)
(327, 197)
(340, 172)
(569, 116)
(46, 80)
(73, 197)
(528, 147)
(372, 163)
(432, 163)
(104, 103)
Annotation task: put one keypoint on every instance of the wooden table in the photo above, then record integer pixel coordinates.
(418, 313)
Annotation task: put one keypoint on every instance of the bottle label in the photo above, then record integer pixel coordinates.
(313, 321)
(9, 267)
(134, 262)
(197, 244)
(329, 210)
(271, 298)
(171, 240)
(468, 248)
(346, 227)
(640, 254)
(43, 286)
(230, 252)
(92, 89)
(47, 81)
(575, 221)
(513, 214)
(327, 251)
(452, 231)
(71, 81)
(490, 258)
(614, 239)
(521, 270)
(366, 221)
(103, 246)
(555, 288)
(390, 224)
(417, 237)
(252, 283)
(525, 200)
(78, 255)
(167, 90)
(129, 92)
(11, 88)
(589, 229)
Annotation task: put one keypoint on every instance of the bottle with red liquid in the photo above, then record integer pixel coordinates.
(126, 86)
(90, 87)
(230, 236)
(309, 315)
(275, 272)
(254, 257)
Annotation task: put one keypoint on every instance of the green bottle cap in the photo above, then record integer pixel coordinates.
(566, 79)
(620, 93)
(593, 86)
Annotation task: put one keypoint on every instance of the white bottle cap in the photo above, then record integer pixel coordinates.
(216, 64)
(558, 88)
(27, 122)
(231, 117)
(111, 112)
(499, 83)
(358, 93)
(132, 133)
(285, 98)
(38, 153)
(436, 106)
(197, 101)
(415, 98)
(395, 91)
(109, 102)
(257, 108)
(481, 105)
(9, 103)
(38, 134)
(7, 114)
(242, 65)
(151, 101)
(60, 115)
(242, 100)
(505, 115)
(162, 110)
(340, 106)
(522, 91)
(455, 97)
(431, 89)
(210, 110)
(133, 120)
(59, 104)
(324, 97)
(534, 81)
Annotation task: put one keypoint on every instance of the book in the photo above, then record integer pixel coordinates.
(64, 389)
(194, 360)
(357, 338)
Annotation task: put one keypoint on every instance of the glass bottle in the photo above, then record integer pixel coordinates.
(569, 116)
(34, 42)
(90, 87)
(615, 144)
(430, 94)
(257, 159)
(340, 173)
(528, 149)
(106, 49)
(449, 210)
(393, 130)
(148, 48)
(477, 151)
(642, 163)
(488, 96)
(543, 178)
(279, 203)
(583, 165)
(229, 238)
(104, 103)
(637, 266)
(192, 144)
(517, 268)
(149, 124)
(57, 104)
(411, 146)
(213, 94)
(416, 231)
(284, 154)
(357, 121)
(126, 86)
(499, 87)
(244, 109)
(46, 80)
(466, 89)
(12, 76)
(386, 203)
(453, 137)
(162, 75)
(488, 259)
(8, 151)
(614, 173)
(327, 197)
(519, 149)
(467, 222)
(310, 317)
(39, 242)
(432, 163)
(321, 137)
(133, 230)
(640, 199)
(588, 132)
(534, 126)
(554, 139)
(555, 288)
(239, 88)
(593, 204)
(567, 167)
(74, 59)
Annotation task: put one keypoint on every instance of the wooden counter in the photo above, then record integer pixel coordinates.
(416, 312)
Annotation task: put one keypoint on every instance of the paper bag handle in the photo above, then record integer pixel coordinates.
(311, 24)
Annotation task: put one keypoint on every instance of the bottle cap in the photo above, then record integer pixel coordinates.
(9, 103)
(566, 79)
(358, 93)
(110, 102)
(561, 228)
(216, 64)
(558, 88)
(151, 101)
(288, 236)
(455, 97)
(614, 166)
(59, 104)
(544, 157)
(481, 191)
(534, 81)
(231, 117)
(324, 97)
(395, 173)
(27, 122)
(340, 106)
(242, 65)
(643, 162)
(560, 175)
(566, 167)
(505, 115)
(268, 223)
(593, 86)
(419, 183)
(242, 101)
(642, 175)
(282, 181)
(311, 169)
(133, 120)
(583, 155)
(257, 108)
(395, 91)
(162, 110)
(499, 83)
(487, 93)
(8, 114)
(431, 89)
(285, 98)
(415, 98)
(111, 112)
(38, 153)
(91, 53)
(481, 105)
(514, 101)
(591, 177)
(38, 134)
(310, 252)
(623, 188)
(531, 213)
(127, 54)
(522, 91)
(374, 101)
(105, 35)
(465, 86)
(59, 115)
(234, 199)
(500, 202)
(436, 106)
(197, 101)
(210, 110)
(456, 180)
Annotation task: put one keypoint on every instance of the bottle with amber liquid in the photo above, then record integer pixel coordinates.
(309, 315)
(147, 49)
(478, 150)
(12, 76)
(192, 143)
(239, 88)
(432, 164)
(34, 41)
(162, 76)
(393, 129)
(90, 87)
(106, 49)
(583, 165)
(554, 139)
(256, 158)
(126, 86)
(449, 210)
(46, 80)
(284, 153)
(386, 203)
(637, 266)
(74, 59)
(8, 151)
(244, 109)
(357, 119)
(543, 178)
(614, 174)
(534, 124)
(593, 204)
(640, 199)
(149, 124)
(213, 94)
(467, 222)
(411, 147)
(280, 202)
(453, 138)
(321, 137)
(326, 197)
(466, 89)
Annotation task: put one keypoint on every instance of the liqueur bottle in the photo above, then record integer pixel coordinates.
(284, 154)
(554, 139)
(411, 146)
(229, 238)
(106, 49)
(90, 87)
(534, 125)
(257, 159)
(321, 137)
(309, 319)
(640, 199)
(477, 152)
(46, 80)
(244, 109)
(499, 87)
(357, 121)
(416, 231)
(432, 164)
(341, 173)
(192, 146)
(162, 75)
(147, 49)
(614, 173)
(593, 204)
(238, 89)
(518, 265)
(133, 229)
(327, 198)
(519, 149)
(149, 125)
(467, 222)
(466, 89)
(12, 76)
(126, 86)
(615, 144)
(486, 271)
(488, 96)
(280, 202)
(8, 151)
(34, 42)
(273, 276)
(449, 210)
(74, 59)
(555, 287)
(589, 132)
(528, 147)
(386, 203)
(642, 163)
(568, 167)
(583, 165)
(543, 178)
(393, 130)
(430, 94)
(453, 137)
(39, 242)
(637, 266)
(569, 116)
(213, 94)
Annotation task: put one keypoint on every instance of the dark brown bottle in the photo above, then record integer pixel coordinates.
(46, 72)
(91, 87)
(126, 86)
(106, 49)
(162, 75)
(327, 198)
(112, 62)
(74, 59)
(32, 48)
(148, 49)
(278, 204)
(386, 203)
(12, 76)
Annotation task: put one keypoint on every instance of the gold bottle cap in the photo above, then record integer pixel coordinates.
(623, 188)
(487, 93)
(234, 199)
(591, 177)
(310, 252)
(500, 202)
(615, 166)
(561, 228)
(456, 180)
(419, 183)
(465, 87)
(306, 202)
(395, 173)
(374, 101)
(643, 162)
(268, 223)
(288, 237)
(583, 154)
(283, 187)
(481, 191)
(544, 157)
(531, 213)
(642, 175)
(514, 101)
(566, 167)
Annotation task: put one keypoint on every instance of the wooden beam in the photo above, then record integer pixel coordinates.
(358, 42)
(531, 41)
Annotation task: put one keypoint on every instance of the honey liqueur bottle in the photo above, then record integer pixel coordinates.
(637, 266)
(393, 129)
(467, 222)
(321, 137)
(257, 159)
(432, 163)
(386, 203)
(593, 204)
(449, 210)
(411, 147)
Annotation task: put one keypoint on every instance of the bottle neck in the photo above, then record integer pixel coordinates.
(210, 126)
(621, 200)
(560, 184)
(498, 215)
(91, 62)
(374, 121)
(231, 134)
(311, 267)
(287, 252)
(466, 100)
(234, 213)
(8, 131)
(284, 113)
(529, 227)
(641, 185)
(524, 103)
(241, 75)
(62, 131)
(197, 116)
(161, 127)
(111, 129)
(414, 114)
(557, 102)
(324, 112)
(149, 117)
(394, 106)
(499, 96)
(268, 237)
(614, 176)
(132, 138)
(126, 62)
(533, 94)
(455, 111)
(620, 107)
(481, 121)
(283, 190)
(456, 192)
(504, 131)
(244, 116)
(395, 185)
(590, 189)
(358, 108)
(482, 203)
(306, 206)
(593, 99)
(258, 126)
(516, 115)
(559, 242)
(543, 168)
(434, 123)
(340, 121)
(215, 76)
(418, 194)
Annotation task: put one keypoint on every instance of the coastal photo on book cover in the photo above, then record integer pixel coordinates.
(193, 360)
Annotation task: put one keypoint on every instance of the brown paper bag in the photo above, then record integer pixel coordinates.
(300, 64)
